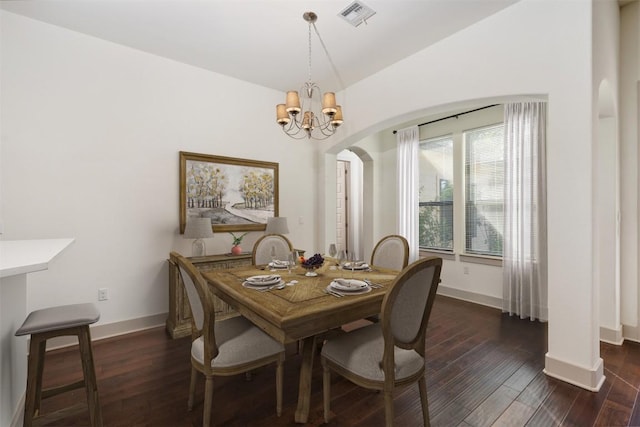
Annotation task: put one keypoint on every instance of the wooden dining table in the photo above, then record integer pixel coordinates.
(300, 311)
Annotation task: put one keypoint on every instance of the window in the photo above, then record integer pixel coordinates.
(484, 190)
(461, 184)
(435, 214)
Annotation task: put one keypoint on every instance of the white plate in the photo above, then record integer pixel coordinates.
(278, 285)
(348, 285)
(356, 266)
(263, 280)
(359, 291)
(278, 264)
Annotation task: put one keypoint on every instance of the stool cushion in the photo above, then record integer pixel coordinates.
(60, 317)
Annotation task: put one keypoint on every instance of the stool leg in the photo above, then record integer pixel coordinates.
(42, 348)
(34, 378)
(91, 385)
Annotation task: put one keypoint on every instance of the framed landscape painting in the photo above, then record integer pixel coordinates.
(237, 194)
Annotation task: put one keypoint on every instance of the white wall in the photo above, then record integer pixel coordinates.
(91, 132)
(629, 155)
(606, 201)
(506, 55)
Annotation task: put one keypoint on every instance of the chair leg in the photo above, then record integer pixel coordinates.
(208, 401)
(422, 386)
(42, 349)
(326, 390)
(279, 385)
(192, 388)
(90, 382)
(388, 408)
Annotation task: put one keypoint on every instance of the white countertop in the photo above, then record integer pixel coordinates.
(27, 256)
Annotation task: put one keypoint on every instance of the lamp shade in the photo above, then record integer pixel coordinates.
(198, 228)
(277, 225)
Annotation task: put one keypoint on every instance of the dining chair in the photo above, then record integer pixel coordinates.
(224, 347)
(262, 249)
(391, 353)
(391, 252)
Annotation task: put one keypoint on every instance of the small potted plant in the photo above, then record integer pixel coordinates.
(236, 249)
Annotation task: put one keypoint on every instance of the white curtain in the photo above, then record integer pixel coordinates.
(525, 207)
(408, 140)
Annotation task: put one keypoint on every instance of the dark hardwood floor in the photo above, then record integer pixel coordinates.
(484, 369)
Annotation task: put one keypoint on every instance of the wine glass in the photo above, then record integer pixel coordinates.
(342, 257)
(273, 255)
(332, 250)
(291, 261)
(352, 262)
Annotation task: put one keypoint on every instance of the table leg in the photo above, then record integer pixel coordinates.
(304, 387)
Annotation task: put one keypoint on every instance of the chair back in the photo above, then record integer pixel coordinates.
(201, 304)
(407, 305)
(391, 252)
(262, 249)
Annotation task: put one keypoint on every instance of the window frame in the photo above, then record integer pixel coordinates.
(455, 129)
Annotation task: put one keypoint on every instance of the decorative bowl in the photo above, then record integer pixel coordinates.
(312, 263)
(310, 269)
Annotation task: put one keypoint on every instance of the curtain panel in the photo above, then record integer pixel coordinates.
(525, 207)
(407, 142)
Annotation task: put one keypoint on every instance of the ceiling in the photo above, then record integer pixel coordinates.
(266, 41)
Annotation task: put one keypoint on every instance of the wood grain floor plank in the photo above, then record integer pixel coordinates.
(487, 412)
(516, 414)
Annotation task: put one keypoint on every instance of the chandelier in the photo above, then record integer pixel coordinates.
(297, 116)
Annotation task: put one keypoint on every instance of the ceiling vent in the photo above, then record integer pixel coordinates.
(357, 13)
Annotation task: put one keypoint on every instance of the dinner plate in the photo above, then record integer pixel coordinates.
(278, 264)
(278, 285)
(263, 280)
(349, 285)
(348, 290)
(356, 266)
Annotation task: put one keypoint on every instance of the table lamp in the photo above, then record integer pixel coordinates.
(198, 228)
(277, 225)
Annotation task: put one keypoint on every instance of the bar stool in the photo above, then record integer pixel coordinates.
(66, 320)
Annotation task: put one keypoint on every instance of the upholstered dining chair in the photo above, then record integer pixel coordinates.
(391, 252)
(262, 249)
(224, 347)
(391, 353)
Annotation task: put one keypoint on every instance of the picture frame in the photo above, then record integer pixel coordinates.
(237, 194)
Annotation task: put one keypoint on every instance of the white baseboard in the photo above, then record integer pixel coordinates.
(631, 333)
(109, 330)
(587, 378)
(611, 336)
(476, 298)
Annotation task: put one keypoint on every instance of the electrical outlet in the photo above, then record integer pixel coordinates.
(466, 270)
(103, 294)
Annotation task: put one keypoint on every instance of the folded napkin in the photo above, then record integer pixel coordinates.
(356, 265)
(278, 263)
(263, 278)
(350, 283)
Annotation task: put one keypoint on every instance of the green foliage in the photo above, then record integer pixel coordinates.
(434, 225)
(237, 239)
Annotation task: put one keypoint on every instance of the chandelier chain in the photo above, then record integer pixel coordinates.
(326, 52)
(310, 50)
